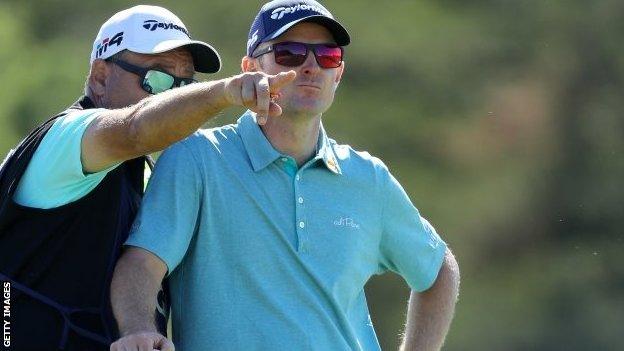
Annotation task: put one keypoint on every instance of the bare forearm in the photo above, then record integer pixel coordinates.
(134, 289)
(166, 118)
(430, 313)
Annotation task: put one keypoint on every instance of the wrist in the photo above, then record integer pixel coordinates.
(222, 91)
(138, 330)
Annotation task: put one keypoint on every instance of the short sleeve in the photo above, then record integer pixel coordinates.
(168, 217)
(409, 245)
(54, 176)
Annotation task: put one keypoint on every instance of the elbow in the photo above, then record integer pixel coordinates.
(448, 278)
(449, 272)
(127, 266)
(140, 259)
(142, 262)
(140, 135)
(137, 135)
(136, 267)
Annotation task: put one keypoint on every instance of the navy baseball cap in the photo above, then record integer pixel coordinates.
(278, 16)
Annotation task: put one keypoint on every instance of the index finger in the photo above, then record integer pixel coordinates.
(281, 79)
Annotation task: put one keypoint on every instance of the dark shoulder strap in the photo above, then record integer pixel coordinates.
(14, 167)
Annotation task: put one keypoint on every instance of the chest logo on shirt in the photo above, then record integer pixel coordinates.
(346, 222)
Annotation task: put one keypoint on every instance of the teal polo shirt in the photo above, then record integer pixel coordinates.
(265, 255)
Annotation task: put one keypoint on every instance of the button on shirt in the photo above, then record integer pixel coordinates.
(265, 255)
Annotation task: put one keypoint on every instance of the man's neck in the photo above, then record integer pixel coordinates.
(294, 136)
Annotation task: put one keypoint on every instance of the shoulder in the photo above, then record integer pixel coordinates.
(69, 128)
(64, 136)
(210, 139)
(54, 175)
(75, 119)
(357, 162)
(207, 143)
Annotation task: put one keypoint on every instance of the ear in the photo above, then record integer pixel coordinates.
(249, 64)
(98, 77)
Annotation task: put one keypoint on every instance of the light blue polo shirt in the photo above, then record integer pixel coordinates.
(264, 255)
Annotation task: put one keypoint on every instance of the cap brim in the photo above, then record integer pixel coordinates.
(205, 58)
(341, 36)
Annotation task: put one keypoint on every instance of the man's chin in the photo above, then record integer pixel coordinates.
(304, 112)
(312, 108)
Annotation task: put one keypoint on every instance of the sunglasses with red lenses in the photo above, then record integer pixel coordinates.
(293, 54)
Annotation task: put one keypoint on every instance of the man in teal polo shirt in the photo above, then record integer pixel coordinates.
(269, 230)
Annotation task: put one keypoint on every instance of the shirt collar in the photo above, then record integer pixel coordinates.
(85, 102)
(259, 149)
(262, 153)
(325, 152)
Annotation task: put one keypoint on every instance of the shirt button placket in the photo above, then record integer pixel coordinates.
(300, 216)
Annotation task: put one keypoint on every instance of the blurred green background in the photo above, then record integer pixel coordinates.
(502, 119)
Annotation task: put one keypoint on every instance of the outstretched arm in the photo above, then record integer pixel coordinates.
(430, 312)
(161, 120)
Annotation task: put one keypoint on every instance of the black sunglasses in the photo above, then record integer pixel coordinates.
(293, 54)
(152, 80)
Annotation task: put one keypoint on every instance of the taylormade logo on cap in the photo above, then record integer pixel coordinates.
(152, 25)
(279, 12)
